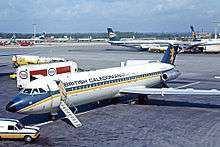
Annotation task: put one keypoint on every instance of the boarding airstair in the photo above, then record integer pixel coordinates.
(66, 110)
(70, 115)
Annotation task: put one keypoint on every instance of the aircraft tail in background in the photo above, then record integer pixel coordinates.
(111, 35)
(193, 33)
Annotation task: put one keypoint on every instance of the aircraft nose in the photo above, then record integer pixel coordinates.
(10, 107)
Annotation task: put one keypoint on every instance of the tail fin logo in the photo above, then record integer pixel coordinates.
(172, 54)
(112, 35)
(193, 32)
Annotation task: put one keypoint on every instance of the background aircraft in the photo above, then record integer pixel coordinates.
(40, 38)
(136, 43)
(199, 45)
(195, 45)
(22, 41)
(8, 41)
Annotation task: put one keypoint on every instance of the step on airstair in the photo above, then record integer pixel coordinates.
(70, 115)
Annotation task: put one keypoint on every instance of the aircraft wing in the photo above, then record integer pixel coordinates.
(168, 91)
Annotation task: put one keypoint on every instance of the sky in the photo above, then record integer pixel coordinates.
(71, 16)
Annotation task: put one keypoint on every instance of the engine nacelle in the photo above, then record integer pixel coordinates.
(170, 75)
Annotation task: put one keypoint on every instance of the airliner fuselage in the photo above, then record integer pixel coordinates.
(42, 95)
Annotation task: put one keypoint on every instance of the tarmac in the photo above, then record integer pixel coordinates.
(167, 121)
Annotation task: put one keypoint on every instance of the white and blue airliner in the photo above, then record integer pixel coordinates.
(47, 95)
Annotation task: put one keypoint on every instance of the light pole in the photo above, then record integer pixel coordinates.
(34, 31)
(216, 25)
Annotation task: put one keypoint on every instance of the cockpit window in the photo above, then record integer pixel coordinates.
(27, 91)
(42, 90)
(35, 91)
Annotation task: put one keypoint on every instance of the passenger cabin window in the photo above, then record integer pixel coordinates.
(11, 128)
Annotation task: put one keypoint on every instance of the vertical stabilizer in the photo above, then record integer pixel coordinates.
(170, 54)
(111, 35)
(193, 33)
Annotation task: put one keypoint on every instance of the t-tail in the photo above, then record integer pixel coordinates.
(111, 35)
(42, 36)
(170, 54)
(193, 33)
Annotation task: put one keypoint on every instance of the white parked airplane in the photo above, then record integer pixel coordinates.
(8, 41)
(137, 43)
(13, 39)
(200, 45)
(40, 38)
(210, 45)
(46, 95)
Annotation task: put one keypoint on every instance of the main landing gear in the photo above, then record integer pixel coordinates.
(142, 100)
(53, 115)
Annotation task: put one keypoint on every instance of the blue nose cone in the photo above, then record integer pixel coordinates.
(11, 107)
(15, 104)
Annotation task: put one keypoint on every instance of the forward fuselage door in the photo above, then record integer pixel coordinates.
(55, 96)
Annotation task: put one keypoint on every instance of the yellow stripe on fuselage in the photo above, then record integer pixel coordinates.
(88, 89)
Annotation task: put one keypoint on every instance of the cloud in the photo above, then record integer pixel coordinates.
(96, 15)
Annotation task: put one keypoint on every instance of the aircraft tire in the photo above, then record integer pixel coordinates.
(142, 100)
(52, 117)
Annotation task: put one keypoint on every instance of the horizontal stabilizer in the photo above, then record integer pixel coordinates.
(168, 91)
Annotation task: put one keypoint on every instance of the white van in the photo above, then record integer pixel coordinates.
(27, 73)
(13, 129)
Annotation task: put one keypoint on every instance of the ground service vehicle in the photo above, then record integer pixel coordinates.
(13, 129)
(19, 60)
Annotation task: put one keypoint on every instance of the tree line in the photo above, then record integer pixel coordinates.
(98, 35)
